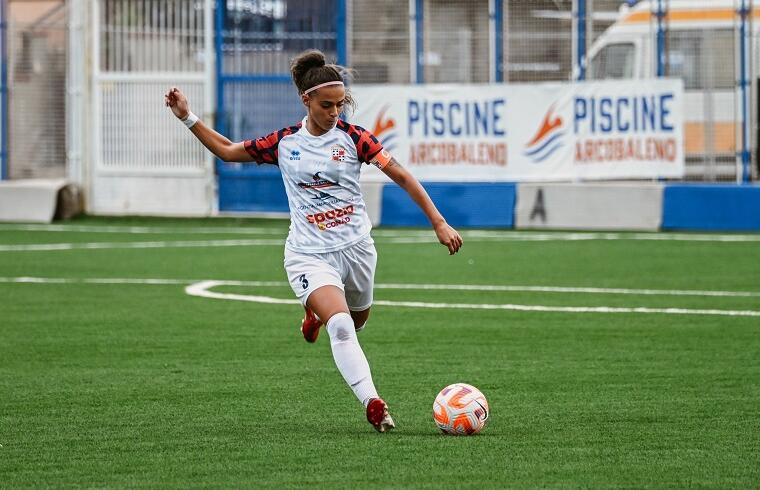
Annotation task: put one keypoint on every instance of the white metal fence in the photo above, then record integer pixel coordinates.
(379, 45)
(37, 61)
(102, 66)
(699, 45)
(144, 160)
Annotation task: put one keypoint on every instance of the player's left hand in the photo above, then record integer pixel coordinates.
(177, 102)
(449, 237)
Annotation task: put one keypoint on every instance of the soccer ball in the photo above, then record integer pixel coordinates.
(460, 409)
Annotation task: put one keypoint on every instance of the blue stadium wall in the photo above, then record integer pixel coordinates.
(587, 206)
(621, 206)
(467, 205)
(711, 207)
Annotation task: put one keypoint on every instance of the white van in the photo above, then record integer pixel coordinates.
(700, 49)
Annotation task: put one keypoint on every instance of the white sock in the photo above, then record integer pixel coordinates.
(349, 357)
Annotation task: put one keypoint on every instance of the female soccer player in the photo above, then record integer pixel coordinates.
(330, 256)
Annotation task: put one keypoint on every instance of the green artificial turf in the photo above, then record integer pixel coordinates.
(141, 385)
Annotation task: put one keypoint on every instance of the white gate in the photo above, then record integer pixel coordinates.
(144, 161)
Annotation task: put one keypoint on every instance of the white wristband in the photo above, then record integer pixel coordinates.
(190, 120)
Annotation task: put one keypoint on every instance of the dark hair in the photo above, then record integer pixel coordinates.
(310, 69)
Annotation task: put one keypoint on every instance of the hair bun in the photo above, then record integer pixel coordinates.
(305, 62)
(310, 69)
(312, 59)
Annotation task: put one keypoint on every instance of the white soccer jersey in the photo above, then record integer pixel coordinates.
(321, 176)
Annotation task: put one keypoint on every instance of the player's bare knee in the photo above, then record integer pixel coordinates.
(326, 302)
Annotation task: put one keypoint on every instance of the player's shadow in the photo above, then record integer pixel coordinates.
(410, 433)
(426, 434)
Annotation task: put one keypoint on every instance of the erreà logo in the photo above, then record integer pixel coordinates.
(385, 129)
(548, 138)
(295, 155)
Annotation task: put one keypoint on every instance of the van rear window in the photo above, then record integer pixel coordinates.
(703, 58)
(613, 61)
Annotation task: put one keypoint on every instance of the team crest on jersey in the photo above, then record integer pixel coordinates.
(338, 153)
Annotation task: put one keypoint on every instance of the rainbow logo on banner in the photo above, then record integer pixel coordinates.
(548, 138)
(385, 130)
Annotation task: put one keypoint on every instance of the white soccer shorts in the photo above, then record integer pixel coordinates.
(351, 269)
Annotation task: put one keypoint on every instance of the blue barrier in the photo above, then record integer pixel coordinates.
(476, 204)
(253, 98)
(711, 207)
(492, 205)
(252, 188)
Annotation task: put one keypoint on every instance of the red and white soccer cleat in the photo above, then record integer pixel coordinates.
(310, 326)
(378, 416)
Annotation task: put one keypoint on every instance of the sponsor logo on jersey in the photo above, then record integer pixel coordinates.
(338, 153)
(318, 182)
(332, 218)
(295, 155)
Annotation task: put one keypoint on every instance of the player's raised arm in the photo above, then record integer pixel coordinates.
(447, 235)
(216, 143)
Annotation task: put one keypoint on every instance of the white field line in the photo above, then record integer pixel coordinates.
(52, 247)
(511, 235)
(46, 247)
(155, 230)
(201, 289)
(563, 289)
(121, 280)
(403, 236)
(443, 287)
(565, 237)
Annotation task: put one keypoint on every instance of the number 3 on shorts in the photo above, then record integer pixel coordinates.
(303, 280)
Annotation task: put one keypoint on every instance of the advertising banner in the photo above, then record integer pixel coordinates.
(630, 129)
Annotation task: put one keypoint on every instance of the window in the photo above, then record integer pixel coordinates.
(613, 61)
(703, 58)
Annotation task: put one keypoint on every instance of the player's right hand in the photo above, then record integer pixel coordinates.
(448, 237)
(177, 102)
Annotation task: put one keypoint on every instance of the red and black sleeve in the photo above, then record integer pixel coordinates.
(265, 149)
(368, 148)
